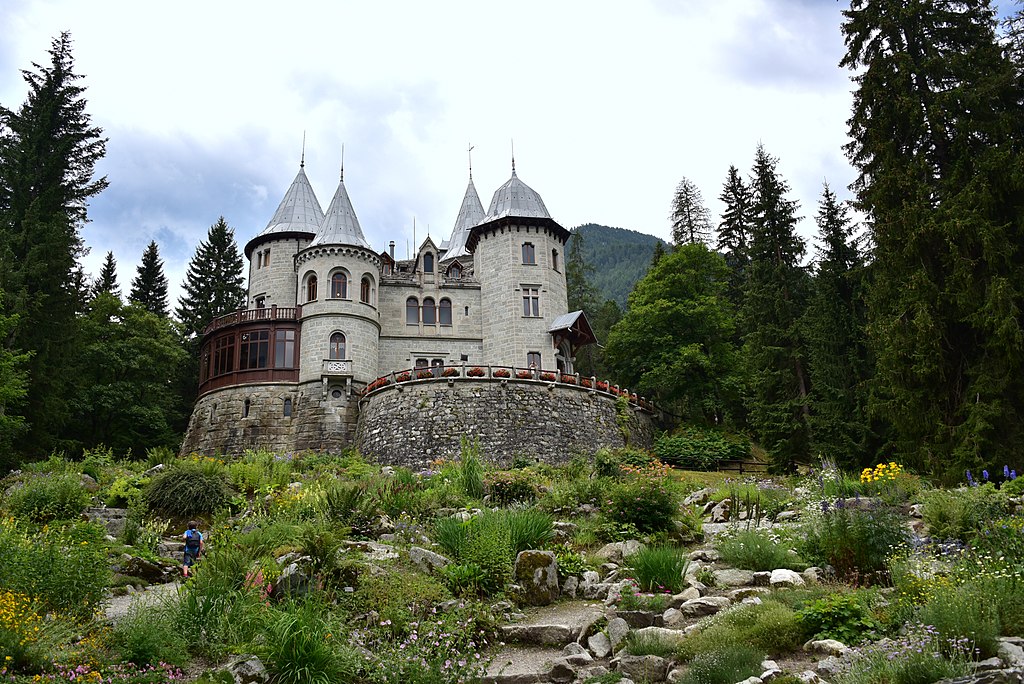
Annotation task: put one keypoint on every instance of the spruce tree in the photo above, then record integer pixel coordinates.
(734, 232)
(48, 153)
(149, 287)
(936, 133)
(214, 281)
(690, 217)
(13, 388)
(834, 328)
(107, 279)
(773, 303)
(659, 251)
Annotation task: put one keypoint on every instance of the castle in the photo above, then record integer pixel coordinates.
(341, 345)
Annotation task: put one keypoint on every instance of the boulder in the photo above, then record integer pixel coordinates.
(617, 629)
(147, 571)
(720, 513)
(809, 677)
(561, 672)
(783, 578)
(1010, 653)
(617, 589)
(292, 582)
(540, 634)
(746, 592)
(762, 579)
(705, 555)
(826, 647)
(813, 575)
(733, 577)
(672, 617)
(247, 669)
(570, 586)
(600, 645)
(685, 595)
(787, 516)
(830, 666)
(650, 668)
(427, 560)
(707, 605)
(537, 573)
(617, 551)
(698, 498)
(752, 680)
(113, 519)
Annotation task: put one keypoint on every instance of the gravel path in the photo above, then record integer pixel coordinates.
(117, 607)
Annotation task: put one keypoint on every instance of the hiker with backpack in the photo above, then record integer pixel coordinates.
(194, 547)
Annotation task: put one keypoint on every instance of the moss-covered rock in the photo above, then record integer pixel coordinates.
(537, 573)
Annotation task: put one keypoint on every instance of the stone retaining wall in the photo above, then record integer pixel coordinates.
(416, 422)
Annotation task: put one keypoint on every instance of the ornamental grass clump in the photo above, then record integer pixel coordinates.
(758, 551)
(659, 568)
(857, 543)
(770, 627)
(960, 514)
(723, 664)
(188, 490)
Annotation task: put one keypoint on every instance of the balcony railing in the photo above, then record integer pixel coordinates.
(273, 313)
(336, 367)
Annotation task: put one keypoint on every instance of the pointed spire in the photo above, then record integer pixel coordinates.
(340, 225)
(470, 213)
(299, 211)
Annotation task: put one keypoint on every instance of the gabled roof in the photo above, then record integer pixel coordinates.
(299, 211)
(470, 213)
(516, 198)
(340, 225)
(575, 327)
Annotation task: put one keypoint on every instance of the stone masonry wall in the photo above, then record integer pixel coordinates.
(414, 423)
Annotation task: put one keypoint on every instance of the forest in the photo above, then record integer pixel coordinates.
(900, 337)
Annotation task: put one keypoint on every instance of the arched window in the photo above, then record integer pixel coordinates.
(554, 259)
(339, 286)
(287, 408)
(364, 291)
(428, 263)
(337, 346)
(245, 408)
(529, 253)
(444, 312)
(311, 289)
(429, 313)
(412, 311)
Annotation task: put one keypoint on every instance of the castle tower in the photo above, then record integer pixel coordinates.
(519, 260)
(271, 267)
(337, 286)
(470, 214)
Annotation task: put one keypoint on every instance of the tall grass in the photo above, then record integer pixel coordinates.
(724, 664)
(471, 469)
(758, 551)
(659, 568)
(303, 648)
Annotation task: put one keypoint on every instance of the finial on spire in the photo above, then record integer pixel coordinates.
(302, 160)
(342, 162)
(513, 155)
(470, 153)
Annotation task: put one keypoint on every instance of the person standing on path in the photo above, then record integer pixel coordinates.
(194, 547)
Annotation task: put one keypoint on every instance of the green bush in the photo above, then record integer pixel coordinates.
(147, 635)
(758, 551)
(95, 461)
(649, 644)
(856, 543)
(645, 502)
(1013, 488)
(302, 647)
(959, 613)
(507, 487)
(960, 513)
(724, 664)
(471, 469)
(659, 568)
(694, 448)
(843, 617)
(484, 541)
(527, 529)
(187, 490)
(916, 658)
(769, 627)
(565, 496)
(48, 497)
(126, 491)
(399, 595)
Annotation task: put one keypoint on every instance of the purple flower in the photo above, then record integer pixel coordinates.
(970, 478)
(984, 475)
(1013, 474)
(1006, 471)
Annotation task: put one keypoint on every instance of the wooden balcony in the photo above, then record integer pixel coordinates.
(272, 313)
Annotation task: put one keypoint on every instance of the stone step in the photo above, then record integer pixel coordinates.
(540, 634)
(522, 665)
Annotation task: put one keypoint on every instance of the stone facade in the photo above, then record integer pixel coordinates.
(328, 316)
(415, 423)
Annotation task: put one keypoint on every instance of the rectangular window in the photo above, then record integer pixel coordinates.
(259, 260)
(533, 360)
(224, 355)
(266, 257)
(254, 350)
(284, 349)
(529, 253)
(531, 302)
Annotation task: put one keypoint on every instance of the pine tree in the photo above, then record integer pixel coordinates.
(734, 232)
(48, 153)
(691, 219)
(773, 303)
(149, 287)
(659, 251)
(834, 327)
(107, 279)
(13, 388)
(214, 281)
(936, 133)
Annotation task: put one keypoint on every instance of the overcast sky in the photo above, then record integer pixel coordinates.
(609, 105)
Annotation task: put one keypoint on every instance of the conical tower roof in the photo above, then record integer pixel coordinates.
(340, 225)
(470, 214)
(299, 211)
(516, 198)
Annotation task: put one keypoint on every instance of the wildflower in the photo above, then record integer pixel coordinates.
(984, 475)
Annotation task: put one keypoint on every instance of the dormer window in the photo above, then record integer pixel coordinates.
(455, 271)
(529, 254)
(428, 263)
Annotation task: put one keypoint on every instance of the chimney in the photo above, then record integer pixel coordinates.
(391, 249)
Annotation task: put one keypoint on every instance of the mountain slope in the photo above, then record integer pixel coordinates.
(620, 258)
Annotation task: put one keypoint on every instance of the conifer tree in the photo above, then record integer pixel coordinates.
(149, 287)
(659, 251)
(773, 303)
(734, 232)
(13, 388)
(834, 327)
(691, 219)
(214, 281)
(936, 133)
(107, 279)
(48, 153)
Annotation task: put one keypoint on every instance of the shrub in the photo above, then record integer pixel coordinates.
(187, 490)
(659, 568)
(147, 635)
(126, 491)
(959, 514)
(302, 647)
(509, 487)
(45, 498)
(400, 595)
(349, 503)
(843, 617)
(693, 448)
(756, 550)
(855, 542)
(649, 644)
(959, 615)
(723, 665)
(527, 529)
(96, 460)
(769, 627)
(645, 502)
(486, 541)
(913, 659)
(570, 563)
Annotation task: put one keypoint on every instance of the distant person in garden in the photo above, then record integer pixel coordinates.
(194, 547)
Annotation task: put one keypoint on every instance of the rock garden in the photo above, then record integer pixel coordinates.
(617, 568)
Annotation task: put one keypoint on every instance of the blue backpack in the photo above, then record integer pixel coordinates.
(192, 542)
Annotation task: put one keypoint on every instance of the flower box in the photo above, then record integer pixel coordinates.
(403, 377)
(377, 384)
(450, 373)
(524, 374)
(602, 385)
(585, 382)
(501, 373)
(475, 372)
(424, 375)
(569, 379)
(548, 377)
